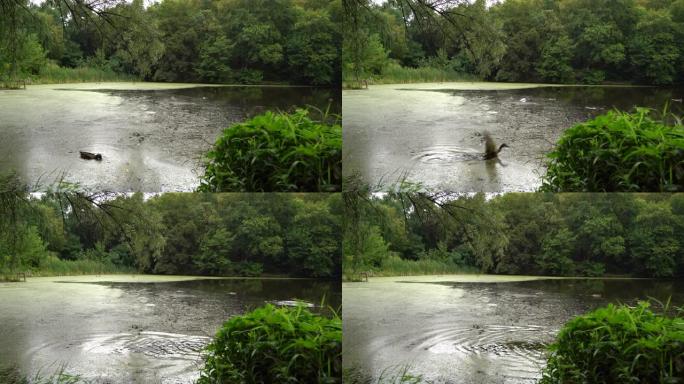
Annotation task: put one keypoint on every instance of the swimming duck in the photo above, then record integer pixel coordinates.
(90, 156)
(491, 151)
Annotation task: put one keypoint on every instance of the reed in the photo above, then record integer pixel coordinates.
(400, 374)
(54, 266)
(398, 74)
(396, 266)
(54, 74)
(12, 375)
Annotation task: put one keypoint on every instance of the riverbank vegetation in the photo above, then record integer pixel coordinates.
(563, 41)
(12, 375)
(276, 345)
(277, 152)
(391, 375)
(245, 41)
(618, 344)
(173, 233)
(515, 233)
(619, 151)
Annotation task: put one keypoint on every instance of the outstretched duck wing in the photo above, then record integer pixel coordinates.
(490, 145)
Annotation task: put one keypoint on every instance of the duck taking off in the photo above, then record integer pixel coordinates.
(90, 156)
(491, 151)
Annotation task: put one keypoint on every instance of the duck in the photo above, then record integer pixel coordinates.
(90, 156)
(491, 152)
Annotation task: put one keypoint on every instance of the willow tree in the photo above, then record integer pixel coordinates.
(16, 14)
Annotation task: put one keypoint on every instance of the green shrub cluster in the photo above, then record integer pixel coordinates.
(618, 344)
(618, 151)
(276, 345)
(276, 152)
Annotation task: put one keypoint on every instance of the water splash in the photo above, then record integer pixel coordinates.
(447, 154)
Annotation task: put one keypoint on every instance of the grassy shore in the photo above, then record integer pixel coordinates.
(395, 266)
(54, 266)
(395, 74)
(54, 74)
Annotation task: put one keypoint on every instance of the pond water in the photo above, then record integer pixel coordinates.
(140, 329)
(472, 329)
(427, 133)
(152, 136)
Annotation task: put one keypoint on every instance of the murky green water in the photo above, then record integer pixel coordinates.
(425, 133)
(132, 330)
(152, 136)
(465, 331)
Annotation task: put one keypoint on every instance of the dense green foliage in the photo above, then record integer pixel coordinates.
(527, 233)
(226, 41)
(184, 233)
(276, 345)
(618, 344)
(618, 152)
(276, 152)
(557, 41)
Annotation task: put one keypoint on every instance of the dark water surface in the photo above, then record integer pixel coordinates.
(473, 332)
(152, 136)
(128, 331)
(428, 133)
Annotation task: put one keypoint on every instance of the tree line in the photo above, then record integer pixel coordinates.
(557, 41)
(174, 233)
(569, 234)
(222, 41)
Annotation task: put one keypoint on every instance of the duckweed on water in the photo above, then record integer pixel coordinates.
(619, 151)
(276, 345)
(276, 152)
(618, 344)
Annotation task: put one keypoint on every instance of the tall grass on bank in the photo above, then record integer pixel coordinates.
(391, 375)
(619, 152)
(54, 74)
(276, 345)
(276, 152)
(397, 74)
(618, 344)
(394, 73)
(396, 266)
(12, 375)
(54, 266)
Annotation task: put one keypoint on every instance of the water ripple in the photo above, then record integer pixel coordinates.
(446, 154)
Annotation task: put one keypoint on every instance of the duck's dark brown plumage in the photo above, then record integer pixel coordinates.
(490, 147)
(90, 155)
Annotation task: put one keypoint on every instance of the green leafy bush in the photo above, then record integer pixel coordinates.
(276, 152)
(618, 344)
(276, 345)
(618, 151)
